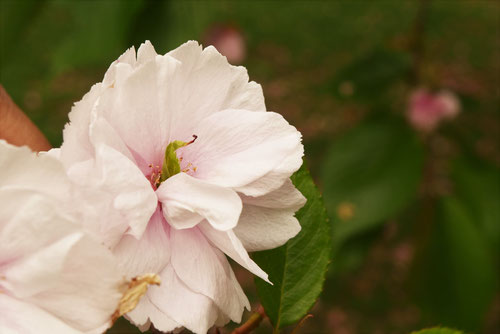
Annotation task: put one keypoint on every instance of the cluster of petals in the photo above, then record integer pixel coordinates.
(426, 110)
(233, 193)
(54, 277)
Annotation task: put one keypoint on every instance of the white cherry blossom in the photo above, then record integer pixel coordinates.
(230, 194)
(54, 278)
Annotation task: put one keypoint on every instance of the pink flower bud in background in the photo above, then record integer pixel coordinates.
(229, 41)
(426, 110)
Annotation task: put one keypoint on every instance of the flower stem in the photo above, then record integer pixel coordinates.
(252, 322)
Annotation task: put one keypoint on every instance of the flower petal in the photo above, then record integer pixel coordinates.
(192, 310)
(206, 83)
(14, 319)
(186, 201)
(19, 172)
(137, 108)
(205, 269)
(149, 254)
(115, 195)
(236, 147)
(268, 221)
(227, 242)
(45, 278)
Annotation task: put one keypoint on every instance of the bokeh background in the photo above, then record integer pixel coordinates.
(398, 104)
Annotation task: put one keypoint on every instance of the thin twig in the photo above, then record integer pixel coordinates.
(301, 323)
(252, 322)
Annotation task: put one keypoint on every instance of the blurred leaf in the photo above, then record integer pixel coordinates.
(478, 187)
(89, 42)
(298, 268)
(369, 175)
(371, 75)
(437, 330)
(454, 274)
(123, 326)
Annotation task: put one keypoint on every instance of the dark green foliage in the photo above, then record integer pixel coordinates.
(298, 268)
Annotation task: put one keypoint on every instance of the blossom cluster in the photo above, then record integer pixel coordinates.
(168, 166)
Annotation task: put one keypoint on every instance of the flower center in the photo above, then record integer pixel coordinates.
(171, 164)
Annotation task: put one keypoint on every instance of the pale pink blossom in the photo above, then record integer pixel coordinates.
(229, 41)
(232, 194)
(427, 110)
(54, 278)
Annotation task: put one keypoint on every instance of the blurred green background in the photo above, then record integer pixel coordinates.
(415, 214)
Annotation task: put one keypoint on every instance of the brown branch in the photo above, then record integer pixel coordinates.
(252, 322)
(16, 128)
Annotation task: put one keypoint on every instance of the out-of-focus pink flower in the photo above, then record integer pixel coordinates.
(229, 41)
(224, 189)
(54, 278)
(426, 110)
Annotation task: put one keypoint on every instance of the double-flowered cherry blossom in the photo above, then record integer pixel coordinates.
(189, 167)
(54, 278)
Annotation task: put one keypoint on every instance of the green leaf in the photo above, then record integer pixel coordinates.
(298, 268)
(478, 187)
(454, 274)
(369, 175)
(437, 330)
(371, 75)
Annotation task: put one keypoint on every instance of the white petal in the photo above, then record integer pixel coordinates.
(146, 313)
(94, 282)
(75, 279)
(186, 201)
(146, 53)
(268, 221)
(21, 317)
(205, 269)
(76, 144)
(28, 221)
(149, 254)
(262, 228)
(192, 310)
(137, 108)
(206, 83)
(115, 195)
(236, 147)
(287, 196)
(23, 169)
(227, 242)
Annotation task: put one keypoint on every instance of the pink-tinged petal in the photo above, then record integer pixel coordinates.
(102, 133)
(137, 108)
(115, 195)
(149, 254)
(192, 310)
(206, 83)
(229, 243)
(236, 147)
(21, 317)
(205, 270)
(186, 201)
